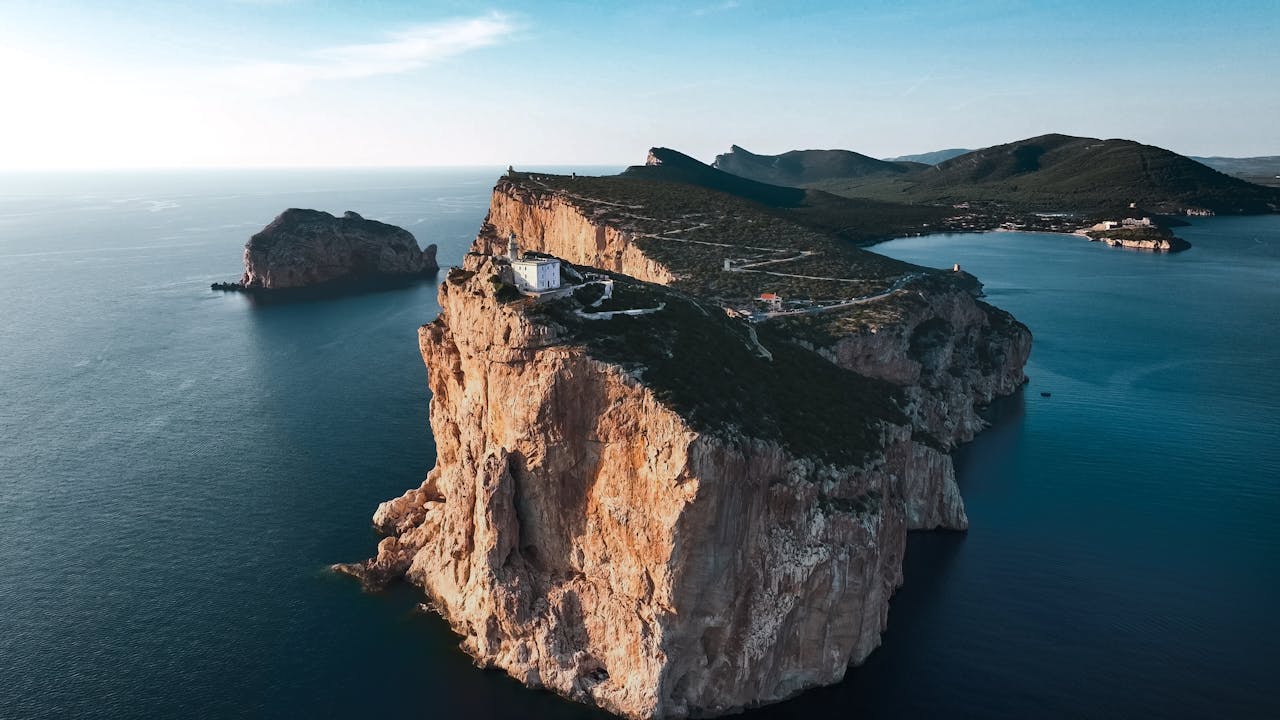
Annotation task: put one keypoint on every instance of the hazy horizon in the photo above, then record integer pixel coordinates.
(293, 84)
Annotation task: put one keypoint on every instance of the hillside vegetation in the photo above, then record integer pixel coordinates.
(859, 220)
(1258, 170)
(1065, 173)
(931, 158)
(731, 380)
(803, 167)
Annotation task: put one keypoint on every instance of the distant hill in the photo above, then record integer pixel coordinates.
(856, 219)
(802, 167)
(1261, 170)
(1061, 172)
(672, 166)
(1268, 165)
(930, 158)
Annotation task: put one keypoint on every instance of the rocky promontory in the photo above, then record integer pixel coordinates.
(698, 504)
(1154, 240)
(310, 248)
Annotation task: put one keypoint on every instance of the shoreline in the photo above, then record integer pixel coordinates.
(1081, 233)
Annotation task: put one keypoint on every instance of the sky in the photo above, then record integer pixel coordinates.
(314, 83)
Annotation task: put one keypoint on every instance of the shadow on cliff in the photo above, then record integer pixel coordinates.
(920, 612)
(877, 688)
(981, 461)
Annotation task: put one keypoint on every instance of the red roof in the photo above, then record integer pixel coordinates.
(769, 296)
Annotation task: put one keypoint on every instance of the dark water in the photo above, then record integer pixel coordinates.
(177, 468)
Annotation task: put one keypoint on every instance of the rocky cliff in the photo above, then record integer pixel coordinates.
(303, 248)
(552, 223)
(1154, 244)
(678, 513)
(583, 533)
(952, 353)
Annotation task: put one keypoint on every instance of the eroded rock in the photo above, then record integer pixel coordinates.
(306, 248)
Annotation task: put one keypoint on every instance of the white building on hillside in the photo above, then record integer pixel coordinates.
(533, 274)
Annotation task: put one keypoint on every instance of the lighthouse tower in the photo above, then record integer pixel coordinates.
(536, 274)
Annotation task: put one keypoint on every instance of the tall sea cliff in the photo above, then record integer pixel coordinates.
(681, 513)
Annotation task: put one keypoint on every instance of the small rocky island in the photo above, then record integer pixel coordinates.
(311, 248)
(1136, 234)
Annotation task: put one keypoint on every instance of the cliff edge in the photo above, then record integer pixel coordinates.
(304, 248)
(667, 501)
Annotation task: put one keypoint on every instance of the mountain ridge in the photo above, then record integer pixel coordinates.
(801, 167)
(931, 158)
(1056, 172)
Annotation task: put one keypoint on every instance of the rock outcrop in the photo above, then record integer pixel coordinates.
(677, 514)
(952, 353)
(305, 248)
(1153, 244)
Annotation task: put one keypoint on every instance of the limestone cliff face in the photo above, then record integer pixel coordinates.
(548, 223)
(952, 352)
(582, 534)
(1164, 244)
(579, 534)
(302, 248)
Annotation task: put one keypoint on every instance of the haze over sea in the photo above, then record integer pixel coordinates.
(179, 466)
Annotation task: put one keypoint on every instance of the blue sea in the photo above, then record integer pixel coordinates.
(178, 467)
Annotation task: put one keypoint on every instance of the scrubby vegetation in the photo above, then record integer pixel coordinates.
(1132, 233)
(799, 167)
(692, 230)
(707, 367)
(505, 292)
(1065, 173)
(727, 242)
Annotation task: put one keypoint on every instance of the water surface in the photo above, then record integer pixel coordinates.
(178, 467)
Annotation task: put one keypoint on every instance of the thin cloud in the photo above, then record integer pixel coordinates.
(402, 51)
(917, 84)
(718, 7)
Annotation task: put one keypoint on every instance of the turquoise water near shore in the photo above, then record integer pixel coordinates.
(178, 467)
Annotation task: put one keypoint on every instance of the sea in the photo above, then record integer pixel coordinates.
(179, 467)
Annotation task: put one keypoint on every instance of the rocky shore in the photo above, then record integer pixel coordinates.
(1153, 244)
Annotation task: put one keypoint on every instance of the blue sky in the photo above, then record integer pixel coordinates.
(236, 83)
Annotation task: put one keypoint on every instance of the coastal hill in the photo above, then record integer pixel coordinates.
(931, 158)
(1076, 172)
(1261, 170)
(859, 220)
(679, 482)
(802, 167)
(670, 166)
(1068, 174)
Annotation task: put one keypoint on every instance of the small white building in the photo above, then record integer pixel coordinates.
(533, 274)
(537, 274)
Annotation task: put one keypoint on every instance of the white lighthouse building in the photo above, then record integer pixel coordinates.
(533, 274)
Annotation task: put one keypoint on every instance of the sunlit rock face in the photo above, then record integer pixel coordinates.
(303, 248)
(585, 534)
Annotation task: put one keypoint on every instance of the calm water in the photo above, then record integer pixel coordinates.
(177, 468)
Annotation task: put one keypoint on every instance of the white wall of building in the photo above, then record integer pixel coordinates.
(535, 275)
